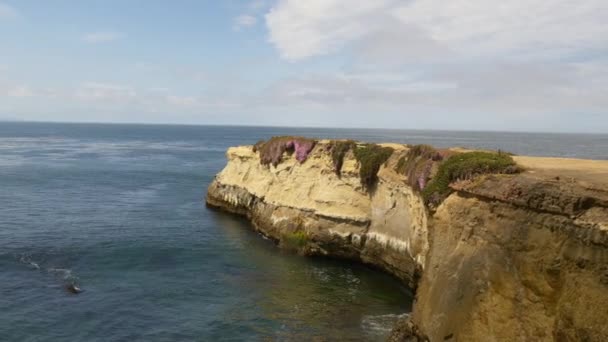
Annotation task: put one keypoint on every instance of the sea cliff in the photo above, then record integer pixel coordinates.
(502, 257)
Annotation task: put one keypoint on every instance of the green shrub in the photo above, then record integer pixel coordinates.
(370, 157)
(295, 240)
(401, 165)
(338, 152)
(465, 166)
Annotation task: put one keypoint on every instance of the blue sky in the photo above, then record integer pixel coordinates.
(538, 65)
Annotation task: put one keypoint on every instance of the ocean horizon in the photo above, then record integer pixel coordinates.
(135, 123)
(118, 209)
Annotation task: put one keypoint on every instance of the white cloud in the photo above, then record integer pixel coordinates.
(105, 92)
(454, 95)
(112, 97)
(102, 37)
(488, 61)
(516, 26)
(244, 21)
(19, 91)
(7, 11)
(182, 101)
(396, 63)
(301, 29)
(257, 4)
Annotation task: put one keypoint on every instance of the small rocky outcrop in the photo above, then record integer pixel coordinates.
(406, 331)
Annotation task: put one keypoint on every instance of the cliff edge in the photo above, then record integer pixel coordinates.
(308, 207)
(502, 257)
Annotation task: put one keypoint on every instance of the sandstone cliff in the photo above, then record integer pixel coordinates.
(307, 206)
(503, 258)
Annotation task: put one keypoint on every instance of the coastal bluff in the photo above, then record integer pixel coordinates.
(505, 256)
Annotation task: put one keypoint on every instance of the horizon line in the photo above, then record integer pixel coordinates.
(295, 127)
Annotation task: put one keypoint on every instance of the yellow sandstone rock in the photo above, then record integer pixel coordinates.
(519, 257)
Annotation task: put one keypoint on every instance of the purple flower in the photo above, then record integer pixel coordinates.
(302, 148)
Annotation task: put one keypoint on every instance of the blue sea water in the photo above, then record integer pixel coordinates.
(119, 210)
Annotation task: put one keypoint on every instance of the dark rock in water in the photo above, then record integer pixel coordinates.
(73, 289)
(406, 331)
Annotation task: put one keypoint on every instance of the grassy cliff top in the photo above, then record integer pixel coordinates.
(590, 173)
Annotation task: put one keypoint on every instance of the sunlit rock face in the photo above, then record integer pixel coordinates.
(519, 257)
(333, 213)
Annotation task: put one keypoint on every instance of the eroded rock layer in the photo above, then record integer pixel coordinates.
(517, 258)
(308, 207)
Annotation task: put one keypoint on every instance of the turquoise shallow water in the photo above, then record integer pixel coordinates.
(119, 210)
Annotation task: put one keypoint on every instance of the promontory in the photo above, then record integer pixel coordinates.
(496, 247)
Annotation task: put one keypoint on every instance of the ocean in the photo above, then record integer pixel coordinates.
(119, 211)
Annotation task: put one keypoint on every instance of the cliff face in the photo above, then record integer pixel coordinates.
(310, 208)
(504, 258)
(517, 258)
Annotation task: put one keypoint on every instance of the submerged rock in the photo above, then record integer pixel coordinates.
(73, 289)
(406, 331)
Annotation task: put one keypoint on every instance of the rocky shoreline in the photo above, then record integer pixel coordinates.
(504, 257)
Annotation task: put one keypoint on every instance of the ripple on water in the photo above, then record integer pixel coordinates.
(380, 325)
(122, 213)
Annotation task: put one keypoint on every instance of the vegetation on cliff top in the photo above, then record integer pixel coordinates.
(338, 151)
(271, 151)
(463, 166)
(369, 157)
(428, 170)
(419, 163)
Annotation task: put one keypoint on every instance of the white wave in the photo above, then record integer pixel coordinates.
(381, 324)
(65, 273)
(27, 259)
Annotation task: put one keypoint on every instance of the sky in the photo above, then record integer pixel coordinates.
(517, 65)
